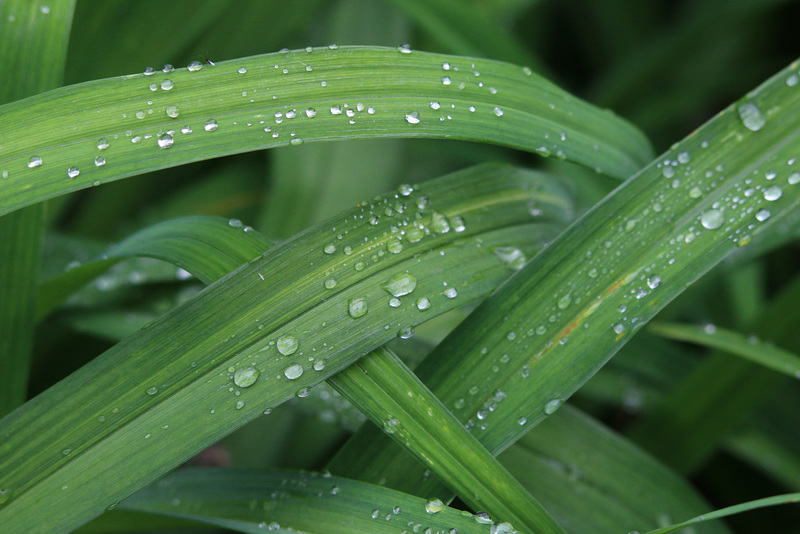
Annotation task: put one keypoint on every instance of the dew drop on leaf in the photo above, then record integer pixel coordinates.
(287, 345)
(72, 172)
(245, 377)
(553, 405)
(165, 141)
(293, 372)
(423, 303)
(210, 125)
(357, 307)
(434, 506)
(412, 117)
(712, 219)
(99, 161)
(35, 161)
(400, 284)
(751, 116)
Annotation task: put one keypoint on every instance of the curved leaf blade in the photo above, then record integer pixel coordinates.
(106, 129)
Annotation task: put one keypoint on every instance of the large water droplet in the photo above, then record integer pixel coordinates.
(72, 172)
(287, 345)
(357, 307)
(400, 284)
(245, 377)
(293, 371)
(553, 405)
(210, 125)
(412, 117)
(712, 219)
(172, 111)
(434, 506)
(35, 161)
(102, 144)
(773, 193)
(166, 85)
(513, 257)
(751, 116)
(165, 141)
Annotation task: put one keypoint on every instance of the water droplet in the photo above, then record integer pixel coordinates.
(483, 518)
(668, 172)
(423, 303)
(404, 48)
(457, 223)
(99, 161)
(751, 116)
(773, 193)
(35, 161)
(564, 302)
(172, 111)
(412, 117)
(395, 246)
(330, 248)
(406, 333)
(319, 365)
(152, 390)
(434, 506)
(165, 141)
(72, 172)
(239, 404)
(102, 144)
(287, 345)
(296, 141)
(194, 66)
(439, 223)
(450, 292)
(553, 405)
(245, 377)
(168, 68)
(414, 234)
(311, 113)
(400, 284)
(330, 283)
(794, 178)
(149, 71)
(712, 219)
(763, 215)
(210, 125)
(654, 281)
(390, 427)
(186, 130)
(357, 307)
(497, 111)
(684, 157)
(513, 257)
(619, 328)
(166, 85)
(446, 80)
(293, 372)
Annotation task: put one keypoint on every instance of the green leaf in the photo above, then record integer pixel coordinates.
(551, 327)
(95, 128)
(389, 394)
(173, 388)
(32, 51)
(748, 347)
(202, 245)
(732, 510)
(582, 473)
(252, 501)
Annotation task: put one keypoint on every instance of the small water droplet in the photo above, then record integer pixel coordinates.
(619, 328)
(102, 144)
(293, 372)
(210, 125)
(186, 130)
(712, 219)
(166, 85)
(319, 365)
(497, 111)
(404, 48)
(246, 376)
(311, 113)
(450, 292)
(395, 246)
(330, 283)
(168, 68)
(751, 116)
(172, 111)
(446, 80)
(406, 333)
(99, 161)
(654, 281)
(412, 117)
(194, 66)
(287, 345)
(434, 506)
(330, 248)
(152, 390)
(794, 178)
(72, 172)
(239, 404)
(553, 405)
(165, 141)
(357, 307)
(400, 284)
(564, 302)
(457, 223)
(35, 161)
(296, 141)
(423, 303)
(149, 71)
